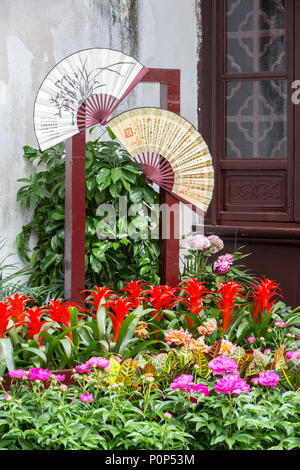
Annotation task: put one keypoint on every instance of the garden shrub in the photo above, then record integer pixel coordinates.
(110, 173)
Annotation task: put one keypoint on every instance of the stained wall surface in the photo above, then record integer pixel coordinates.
(36, 34)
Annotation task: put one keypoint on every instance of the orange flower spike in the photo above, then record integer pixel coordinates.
(134, 292)
(96, 296)
(262, 295)
(161, 298)
(120, 308)
(4, 318)
(196, 293)
(34, 322)
(17, 305)
(229, 292)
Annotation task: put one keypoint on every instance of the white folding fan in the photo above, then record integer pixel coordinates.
(81, 91)
(170, 152)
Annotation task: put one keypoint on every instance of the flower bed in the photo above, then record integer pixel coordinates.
(138, 405)
(211, 364)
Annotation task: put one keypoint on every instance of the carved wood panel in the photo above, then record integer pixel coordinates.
(254, 191)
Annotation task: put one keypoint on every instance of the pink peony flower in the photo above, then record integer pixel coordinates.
(60, 378)
(17, 373)
(267, 351)
(232, 384)
(222, 364)
(280, 323)
(298, 335)
(182, 382)
(98, 361)
(86, 397)
(7, 397)
(63, 388)
(292, 354)
(82, 368)
(268, 378)
(198, 388)
(167, 415)
(36, 373)
(251, 339)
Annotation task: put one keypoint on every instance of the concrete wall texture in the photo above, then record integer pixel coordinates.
(36, 34)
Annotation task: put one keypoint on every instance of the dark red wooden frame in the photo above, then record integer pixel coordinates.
(273, 244)
(211, 121)
(169, 80)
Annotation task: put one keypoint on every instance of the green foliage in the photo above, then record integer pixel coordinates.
(110, 174)
(122, 417)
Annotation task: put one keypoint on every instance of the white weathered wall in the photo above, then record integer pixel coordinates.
(35, 34)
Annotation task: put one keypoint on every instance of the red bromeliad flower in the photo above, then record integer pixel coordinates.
(195, 293)
(34, 322)
(229, 292)
(17, 307)
(60, 313)
(120, 308)
(4, 318)
(161, 298)
(134, 292)
(96, 297)
(262, 295)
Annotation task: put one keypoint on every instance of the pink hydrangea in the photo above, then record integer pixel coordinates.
(98, 361)
(17, 373)
(223, 263)
(216, 244)
(182, 382)
(268, 378)
(232, 384)
(39, 374)
(200, 242)
(222, 364)
(83, 369)
(86, 397)
(198, 388)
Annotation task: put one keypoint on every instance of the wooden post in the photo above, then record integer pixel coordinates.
(75, 218)
(169, 80)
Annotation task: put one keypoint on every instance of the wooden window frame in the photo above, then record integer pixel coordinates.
(211, 123)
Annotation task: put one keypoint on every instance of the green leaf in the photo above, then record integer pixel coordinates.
(7, 353)
(102, 176)
(74, 323)
(101, 318)
(136, 195)
(110, 133)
